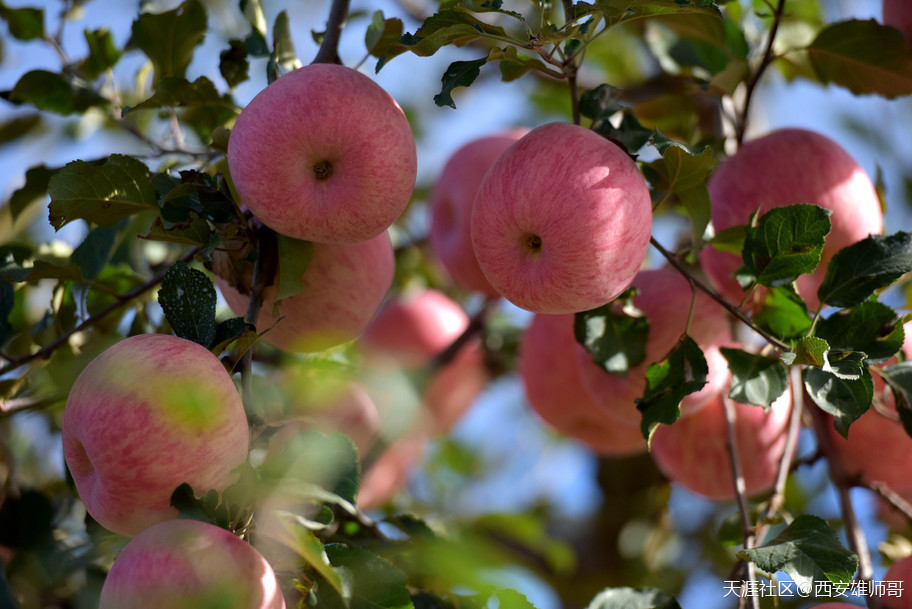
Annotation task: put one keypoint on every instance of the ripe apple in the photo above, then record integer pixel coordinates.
(390, 473)
(148, 414)
(561, 222)
(693, 451)
(898, 14)
(899, 571)
(665, 299)
(409, 331)
(451, 202)
(324, 154)
(344, 287)
(787, 167)
(552, 378)
(188, 564)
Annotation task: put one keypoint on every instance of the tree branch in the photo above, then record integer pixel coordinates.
(329, 48)
(755, 78)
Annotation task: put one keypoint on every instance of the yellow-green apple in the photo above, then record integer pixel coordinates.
(188, 564)
(409, 331)
(899, 571)
(451, 200)
(344, 285)
(561, 222)
(148, 414)
(898, 14)
(787, 167)
(693, 451)
(552, 378)
(324, 154)
(665, 299)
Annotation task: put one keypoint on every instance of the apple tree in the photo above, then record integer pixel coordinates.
(277, 331)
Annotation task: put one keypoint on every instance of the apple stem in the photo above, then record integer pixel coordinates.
(755, 77)
(329, 48)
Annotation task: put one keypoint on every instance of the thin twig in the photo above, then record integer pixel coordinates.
(329, 48)
(755, 78)
(892, 497)
(791, 444)
(476, 323)
(257, 283)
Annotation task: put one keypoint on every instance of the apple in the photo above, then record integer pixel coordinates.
(561, 222)
(150, 413)
(344, 287)
(665, 300)
(898, 14)
(188, 564)
(389, 474)
(787, 167)
(693, 452)
(899, 571)
(324, 154)
(451, 201)
(552, 379)
(409, 331)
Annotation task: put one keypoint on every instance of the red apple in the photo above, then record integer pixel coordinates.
(899, 571)
(561, 222)
(787, 167)
(148, 414)
(188, 564)
(693, 451)
(409, 331)
(324, 154)
(665, 300)
(344, 285)
(389, 474)
(898, 14)
(451, 202)
(552, 378)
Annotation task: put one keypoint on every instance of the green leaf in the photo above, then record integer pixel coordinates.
(441, 29)
(513, 64)
(104, 194)
(95, 250)
(312, 458)
(811, 351)
(899, 378)
(616, 341)
(785, 243)
(680, 168)
(375, 582)
(294, 256)
(871, 327)
(194, 231)
(103, 53)
(283, 45)
(168, 38)
(860, 269)
(756, 379)
(783, 313)
(511, 599)
(34, 189)
(603, 102)
(863, 56)
(306, 545)
(458, 74)
(230, 330)
(844, 398)
(177, 92)
(809, 551)
(16, 127)
(24, 23)
(233, 64)
(730, 240)
(681, 372)
(53, 92)
(381, 34)
(188, 299)
(633, 598)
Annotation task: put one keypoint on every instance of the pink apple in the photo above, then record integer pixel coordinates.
(409, 331)
(552, 378)
(148, 414)
(782, 168)
(898, 14)
(324, 154)
(899, 571)
(187, 564)
(561, 222)
(665, 300)
(451, 202)
(344, 287)
(693, 451)
(389, 474)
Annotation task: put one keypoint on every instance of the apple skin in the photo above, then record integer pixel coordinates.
(390, 473)
(693, 451)
(317, 114)
(150, 413)
(554, 387)
(786, 167)
(451, 200)
(344, 287)
(188, 564)
(561, 222)
(664, 298)
(898, 14)
(409, 331)
(899, 571)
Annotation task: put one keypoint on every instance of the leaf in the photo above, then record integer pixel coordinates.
(809, 551)
(177, 92)
(194, 231)
(783, 313)
(633, 598)
(24, 23)
(188, 299)
(283, 45)
(681, 372)
(382, 33)
(16, 127)
(899, 378)
(34, 189)
(863, 56)
(439, 30)
(168, 38)
(104, 194)
(306, 545)
(616, 341)
(513, 64)
(860, 269)
(230, 330)
(294, 256)
(103, 53)
(316, 459)
(811, 351)
(511, 599)
(233, 64)
(95, 250)
(458, 74)
(53, 92)
(756, 379)
(680, 168)
(375, 582)
(844, 398)
(871, 327)
(786, 243)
